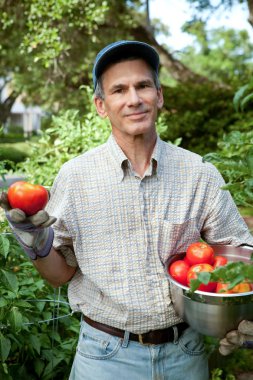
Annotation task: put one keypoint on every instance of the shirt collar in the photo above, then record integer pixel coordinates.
(122, 161)
(119, 156)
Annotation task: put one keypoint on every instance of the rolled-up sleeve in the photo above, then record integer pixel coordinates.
(59, 206)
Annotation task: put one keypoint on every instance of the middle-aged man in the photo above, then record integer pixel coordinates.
(122, 209)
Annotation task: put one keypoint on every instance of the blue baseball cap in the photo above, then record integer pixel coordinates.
(124, 49)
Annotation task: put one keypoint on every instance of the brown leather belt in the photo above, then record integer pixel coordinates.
(151, 337)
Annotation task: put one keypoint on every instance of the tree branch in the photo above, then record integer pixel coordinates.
(250, 8)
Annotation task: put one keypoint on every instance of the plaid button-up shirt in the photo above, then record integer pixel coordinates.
(119, 229)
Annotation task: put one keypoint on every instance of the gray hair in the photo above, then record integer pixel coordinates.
(99, 91)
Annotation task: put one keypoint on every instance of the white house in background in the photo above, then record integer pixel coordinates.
(28, 118)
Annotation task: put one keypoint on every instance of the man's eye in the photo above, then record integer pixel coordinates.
(118, 91)
(144, 85)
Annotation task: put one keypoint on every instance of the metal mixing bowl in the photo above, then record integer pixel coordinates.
(213, 314)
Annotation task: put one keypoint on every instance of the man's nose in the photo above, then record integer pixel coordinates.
(134, 97)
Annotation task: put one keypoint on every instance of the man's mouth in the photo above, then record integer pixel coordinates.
(136, 115)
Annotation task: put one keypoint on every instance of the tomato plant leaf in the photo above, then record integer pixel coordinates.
(22, 303)
(35, 343)
(204, 277)
(39, 366)
(236, 281)
(4, 245)
(194, 284)
(54, 362)
(5, 346)
(9, 280)
(15, 318)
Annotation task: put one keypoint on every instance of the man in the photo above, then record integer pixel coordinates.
(122, 209)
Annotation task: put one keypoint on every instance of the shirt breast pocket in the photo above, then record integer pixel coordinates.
(176, 237)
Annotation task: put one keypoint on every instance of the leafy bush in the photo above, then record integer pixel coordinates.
(36, 340)
(8, 152)
(68, 136)
(235, 161)
(234, 158)
(243, 98)
(200, 114)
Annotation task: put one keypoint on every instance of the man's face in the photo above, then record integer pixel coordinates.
(131, 99)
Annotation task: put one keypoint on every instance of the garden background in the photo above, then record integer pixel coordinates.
(47, 48)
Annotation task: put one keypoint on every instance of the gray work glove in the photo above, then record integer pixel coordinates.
(243, 337)
(33, 233)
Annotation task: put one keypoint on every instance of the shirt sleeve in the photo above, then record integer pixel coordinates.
(59, 206)
(223, 223)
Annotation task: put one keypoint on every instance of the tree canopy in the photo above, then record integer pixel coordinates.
(47, 49)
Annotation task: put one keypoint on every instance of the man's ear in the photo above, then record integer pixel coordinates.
(100, 106)
(160, 100)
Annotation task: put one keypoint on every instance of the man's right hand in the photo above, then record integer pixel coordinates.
(33, 233)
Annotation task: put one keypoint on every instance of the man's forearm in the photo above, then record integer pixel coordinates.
(54, 268)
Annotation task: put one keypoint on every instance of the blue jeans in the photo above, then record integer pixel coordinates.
(101, 356)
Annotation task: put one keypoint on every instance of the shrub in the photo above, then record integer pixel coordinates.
(38, 335)
(200, 114)
(8, 152)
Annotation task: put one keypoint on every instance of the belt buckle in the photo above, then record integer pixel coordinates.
(140, 339)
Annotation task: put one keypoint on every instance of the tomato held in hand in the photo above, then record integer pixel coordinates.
(243, 287)
(219, 261)
(200, 253)
(193, 275)
(178, 270)
(27, 197)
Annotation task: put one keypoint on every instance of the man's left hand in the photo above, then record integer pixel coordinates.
(243, 337)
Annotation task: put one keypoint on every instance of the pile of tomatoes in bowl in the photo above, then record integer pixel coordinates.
(200, 257)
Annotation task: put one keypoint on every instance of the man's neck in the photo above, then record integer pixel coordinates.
(138, 150)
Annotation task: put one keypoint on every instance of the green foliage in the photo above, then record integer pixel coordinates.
(55, 44)
(200, 114)
(235, 162)
(9, 152)
(239, 362)
(69, 135)
(244, 97)
(232, 273)
(222, 55)
(217, 374)
(37, 334)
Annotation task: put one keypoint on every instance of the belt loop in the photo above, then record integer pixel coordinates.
(175, 330)
(125, 339)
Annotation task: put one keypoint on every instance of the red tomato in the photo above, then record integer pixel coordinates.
(219, 261)
(200, 253)
(243, 287)
(223, 288)
(178, 270)
(193, 274)
(187, 261)
(29, 198)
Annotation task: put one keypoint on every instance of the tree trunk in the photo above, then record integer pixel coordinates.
(250, 7)
(5, 107)
(177, 69)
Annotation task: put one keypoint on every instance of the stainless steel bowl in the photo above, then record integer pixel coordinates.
(213, 314)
